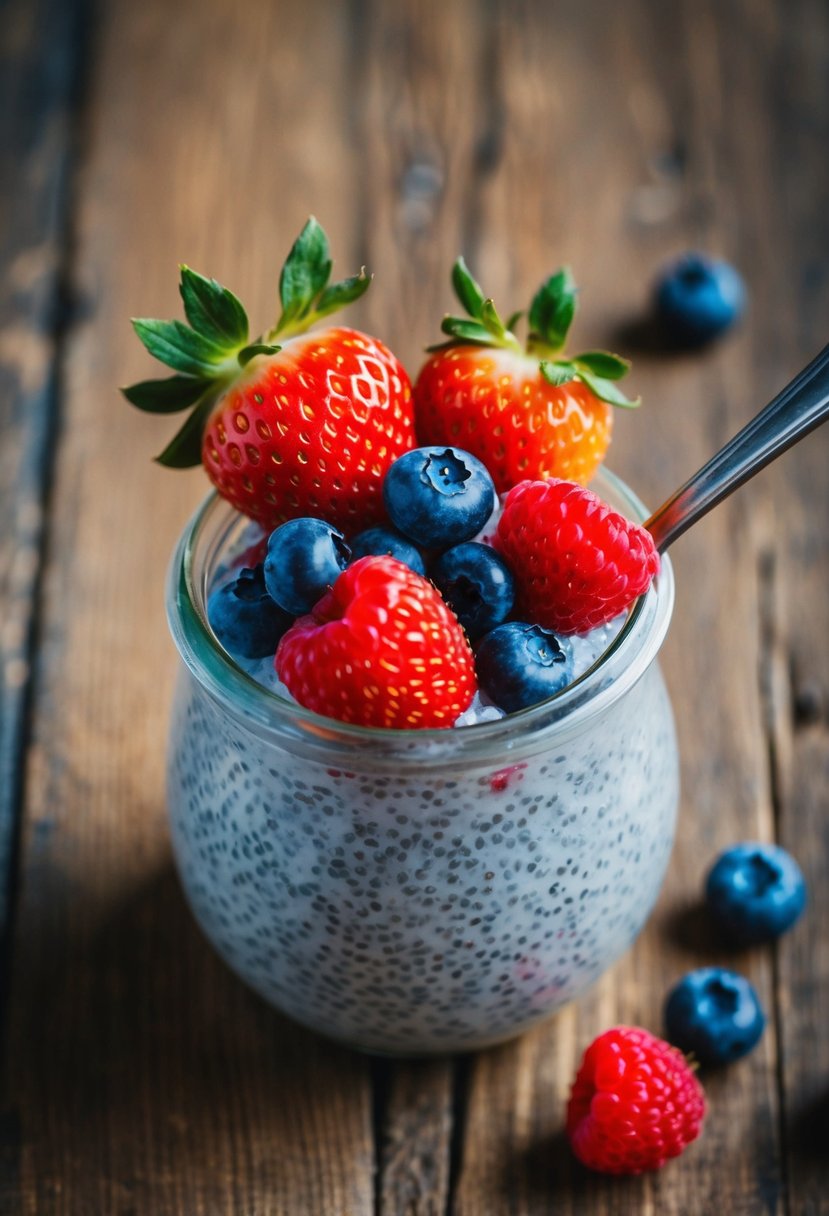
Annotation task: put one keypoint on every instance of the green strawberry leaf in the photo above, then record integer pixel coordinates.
(179, 346)
(553, 309)
(184, 449)
(165, 396)
(557, 372)
(212, 310)
(514, 319)
(490, 318)
(607, 391)
(339, 294)
(305, 274)
(256, 348)
(466, 331)
(467, 290)
(603, 363)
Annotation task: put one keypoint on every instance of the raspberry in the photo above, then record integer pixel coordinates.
(577, 563)
(634, 1103)
(381, 648)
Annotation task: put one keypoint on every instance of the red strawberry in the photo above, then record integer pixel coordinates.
(634, 1103)
(523, 412)
(381, 648)
(291, 423)
(577, 563)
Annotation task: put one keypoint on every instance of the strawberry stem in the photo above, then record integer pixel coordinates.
(210, 351)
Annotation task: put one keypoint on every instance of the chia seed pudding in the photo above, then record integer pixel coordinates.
(416, 892)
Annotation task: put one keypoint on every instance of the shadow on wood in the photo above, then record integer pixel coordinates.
(155, 1066)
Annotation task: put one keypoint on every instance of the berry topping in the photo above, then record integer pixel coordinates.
(244, 617)
(634, 1103)
(386, 541)
(477, 584)
(755, 891)
(525, 412)
(380, 649)
(577, 563)
(697, 298)
(519, 665)
(714, 1015)
(289, 423)
(305, 558)
(438, 496)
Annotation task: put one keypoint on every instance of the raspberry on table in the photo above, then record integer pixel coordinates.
(634, 1104)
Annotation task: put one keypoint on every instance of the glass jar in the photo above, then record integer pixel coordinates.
(429, 891)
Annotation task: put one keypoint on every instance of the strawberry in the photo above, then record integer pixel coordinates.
(291, 423)
(524, 412)
(577, 563)
(389, 648)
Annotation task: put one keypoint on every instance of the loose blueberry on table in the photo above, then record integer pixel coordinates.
(697, 298)
(715, 1015)
(755, 892)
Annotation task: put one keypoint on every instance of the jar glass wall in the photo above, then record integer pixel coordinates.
(419, 891)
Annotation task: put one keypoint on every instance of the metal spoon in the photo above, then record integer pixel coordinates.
(800, 407)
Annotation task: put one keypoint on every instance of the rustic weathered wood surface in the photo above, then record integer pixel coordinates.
(139, 1076)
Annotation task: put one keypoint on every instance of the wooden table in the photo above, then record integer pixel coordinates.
(139, 1075)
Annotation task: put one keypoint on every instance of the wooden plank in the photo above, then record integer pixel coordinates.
(141, 1075)
(414, 1103)
(38, 84)
(423, 118)
(796, 667)
(619, 199)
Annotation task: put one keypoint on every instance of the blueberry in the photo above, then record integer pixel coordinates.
(379, 541)
(755, 891)
(520, 664)
(244, 617)
(477, 584)
(698, 298)
(438, 496)
(715, 1014)
(305, 558)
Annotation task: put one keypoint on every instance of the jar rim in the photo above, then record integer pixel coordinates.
(272, 716)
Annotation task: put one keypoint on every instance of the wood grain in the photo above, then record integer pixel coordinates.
(139, 1075)
(796, 670)
(143, 1077)
(655, 104)
(37, 106)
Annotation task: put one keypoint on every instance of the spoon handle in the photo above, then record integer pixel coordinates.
(800, 407)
